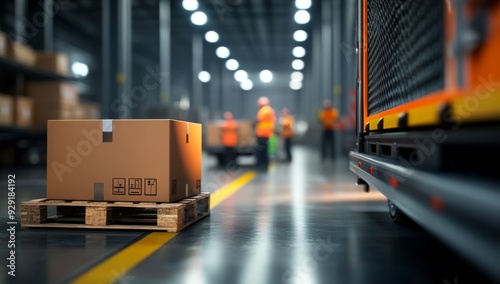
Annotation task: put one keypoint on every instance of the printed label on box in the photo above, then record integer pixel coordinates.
(135, 186)
(118, 186)
(150, 186)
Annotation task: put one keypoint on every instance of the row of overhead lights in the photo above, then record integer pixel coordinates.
(199, 18)
(301, 17)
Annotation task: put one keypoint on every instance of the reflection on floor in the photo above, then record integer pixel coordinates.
(302, 222)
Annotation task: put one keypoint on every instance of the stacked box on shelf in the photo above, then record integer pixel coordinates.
(24, 111)
(53, 100)
(3, 44)
(90, 110)
(53, 61)
(20, 52)
(6, 110)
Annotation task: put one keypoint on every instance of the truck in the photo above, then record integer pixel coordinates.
(428, 118)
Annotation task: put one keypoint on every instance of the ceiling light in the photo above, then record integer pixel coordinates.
(299, 51)
(212, 36)
(295, 85)
(300, 35)
(246, 85)
(302, 17)
(232, 64)
(199, 18)
(80, 69)
(222, 52)
(190, 5)
(240, 75)
(266, 76)
(297, 76)
(298, 64)
(204, 76)
(303, 4)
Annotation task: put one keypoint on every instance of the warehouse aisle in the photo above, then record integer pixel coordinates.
(303, 222)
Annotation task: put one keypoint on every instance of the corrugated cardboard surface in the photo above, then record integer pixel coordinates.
(246, 133)
(90, 110)
(53, 62)
(152, 160)
(21, 52)
(53, 94)
(54, 100)
(6, 109)
(24, 111)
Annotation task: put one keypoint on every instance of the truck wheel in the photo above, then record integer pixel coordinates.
(220, 160)
(397, 215)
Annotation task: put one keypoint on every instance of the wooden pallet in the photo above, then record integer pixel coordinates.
(171, 217)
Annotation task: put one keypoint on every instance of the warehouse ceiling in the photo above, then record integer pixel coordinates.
(259, 33)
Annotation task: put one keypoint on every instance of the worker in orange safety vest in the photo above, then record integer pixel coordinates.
(287, 133)
(264, 129)
(327, 117)
(229, 139)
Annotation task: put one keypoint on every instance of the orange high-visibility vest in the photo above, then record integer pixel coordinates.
(229, 133)
(328, 118)
(265, 122)
(287, 126)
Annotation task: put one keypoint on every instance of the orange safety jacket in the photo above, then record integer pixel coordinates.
(327, 118)
(265, 122)
(229, 133)
(287, 126)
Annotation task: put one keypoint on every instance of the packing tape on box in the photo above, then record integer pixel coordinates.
(107, 130)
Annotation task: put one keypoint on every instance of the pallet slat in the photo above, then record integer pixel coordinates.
(171, 217)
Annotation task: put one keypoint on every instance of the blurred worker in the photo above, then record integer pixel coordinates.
(229, 139)
(327, 117)
(264, 129)
(286, 123)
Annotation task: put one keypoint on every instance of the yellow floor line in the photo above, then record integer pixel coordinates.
(227, 190)
(115, 267)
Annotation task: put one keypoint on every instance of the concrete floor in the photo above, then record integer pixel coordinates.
(303, 222)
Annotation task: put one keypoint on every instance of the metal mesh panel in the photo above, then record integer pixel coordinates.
(405, 51)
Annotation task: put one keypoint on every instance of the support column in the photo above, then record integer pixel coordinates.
(124, 76)
(48, 28)
(197, 68)
(165, 50)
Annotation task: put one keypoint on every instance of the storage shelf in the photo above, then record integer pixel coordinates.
(10, 66)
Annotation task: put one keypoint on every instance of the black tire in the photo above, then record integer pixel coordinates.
(398, 216)
(220, 159)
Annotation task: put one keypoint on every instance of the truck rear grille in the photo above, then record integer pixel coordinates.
(405, 51)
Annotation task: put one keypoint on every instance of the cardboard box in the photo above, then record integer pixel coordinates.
(21, 53)
(24, 111)
(143, 160)
(55, 95)
(3, 44)
(53, 62)
(246, 133)
(214, 134)
(6, 109)
(42, 115)
(91, 110)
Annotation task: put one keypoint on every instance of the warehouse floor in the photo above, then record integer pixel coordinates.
(303, 222)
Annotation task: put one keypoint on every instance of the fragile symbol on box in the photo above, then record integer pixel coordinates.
(135, 186)
(119, 186)
(150, 186)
